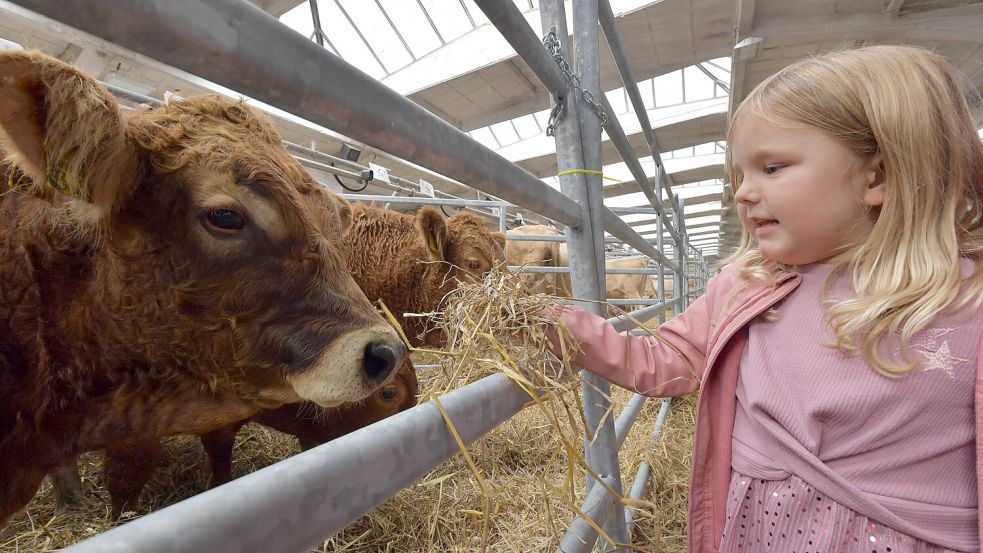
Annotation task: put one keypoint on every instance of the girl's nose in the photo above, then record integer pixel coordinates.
(746, 193)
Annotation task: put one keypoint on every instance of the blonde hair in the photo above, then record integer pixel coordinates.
(910, 105)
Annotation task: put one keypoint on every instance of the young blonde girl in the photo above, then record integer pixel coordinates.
(837, 355)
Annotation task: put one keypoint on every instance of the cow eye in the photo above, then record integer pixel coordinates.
(389, 394)
(473, 265)
(225, 219)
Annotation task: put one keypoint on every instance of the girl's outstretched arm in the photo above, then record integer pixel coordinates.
(670, 363)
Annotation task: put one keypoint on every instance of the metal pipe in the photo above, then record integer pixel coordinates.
(580, 536)
(660, 421)
(422, 200)
(315, 494)
(602, 452)
(510, 22)
(637, 490)
(237, 45)
(622, 425)
(332, 170)
(535, 238)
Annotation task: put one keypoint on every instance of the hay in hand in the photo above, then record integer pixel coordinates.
(495, 325)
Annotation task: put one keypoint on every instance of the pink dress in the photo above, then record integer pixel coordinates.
(789, 516)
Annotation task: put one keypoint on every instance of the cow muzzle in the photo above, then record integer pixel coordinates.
(354, 366)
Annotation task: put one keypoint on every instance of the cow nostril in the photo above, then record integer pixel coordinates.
(381, 358)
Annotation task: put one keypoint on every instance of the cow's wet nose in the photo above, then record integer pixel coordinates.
(381, 359)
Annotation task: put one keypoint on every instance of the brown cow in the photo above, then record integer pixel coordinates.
(163, 271)
(409, 262)
(129, 465)
(412, 263)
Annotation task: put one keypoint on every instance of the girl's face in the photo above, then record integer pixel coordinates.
(804, 196)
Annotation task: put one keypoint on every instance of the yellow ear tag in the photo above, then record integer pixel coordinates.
(433, 247)
(60, 180)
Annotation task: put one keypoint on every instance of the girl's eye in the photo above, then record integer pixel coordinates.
(225, 220)
(772, 169)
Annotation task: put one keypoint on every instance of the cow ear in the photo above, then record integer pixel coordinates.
(434, 230)
(344, 211)
(499, 238)
(64, 134)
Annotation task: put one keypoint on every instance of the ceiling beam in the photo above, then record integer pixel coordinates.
(959, 25)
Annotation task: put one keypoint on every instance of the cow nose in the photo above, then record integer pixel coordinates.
(381, 358)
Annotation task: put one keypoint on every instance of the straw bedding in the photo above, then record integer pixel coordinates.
(515, 490)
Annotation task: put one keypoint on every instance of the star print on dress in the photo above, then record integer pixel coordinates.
(942, 359)
(936, 356)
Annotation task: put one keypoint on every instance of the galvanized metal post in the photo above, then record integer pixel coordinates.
(680, 281)
(578, 148)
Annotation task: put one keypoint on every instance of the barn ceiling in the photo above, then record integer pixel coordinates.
(694, 60)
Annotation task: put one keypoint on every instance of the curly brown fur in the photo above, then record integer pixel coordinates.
(412, 263)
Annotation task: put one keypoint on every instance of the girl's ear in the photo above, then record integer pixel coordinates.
(876, 181)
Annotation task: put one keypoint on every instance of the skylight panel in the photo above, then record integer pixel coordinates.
(299, 19)
(720, 67)
(697, 85)
(704, 149)
(505, 133)
(350, 45)
(527, 127)
(618, 100)
(412, 25)
(450, 17)
(485, 136)
(647, 90)
(381, 36)
(668, 89)
(477, 16)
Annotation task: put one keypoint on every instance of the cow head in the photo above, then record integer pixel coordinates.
(526, 253)
(462, 241)
(215, 250)
(325, 425)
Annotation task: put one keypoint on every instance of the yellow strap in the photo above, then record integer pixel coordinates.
(588, 171)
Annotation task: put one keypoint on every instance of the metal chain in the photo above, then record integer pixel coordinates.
(552, 44)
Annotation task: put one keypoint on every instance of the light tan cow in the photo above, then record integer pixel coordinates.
(554, 254)
(539, 254)
(620, 286)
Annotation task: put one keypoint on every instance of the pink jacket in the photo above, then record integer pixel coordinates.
(700, 349)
